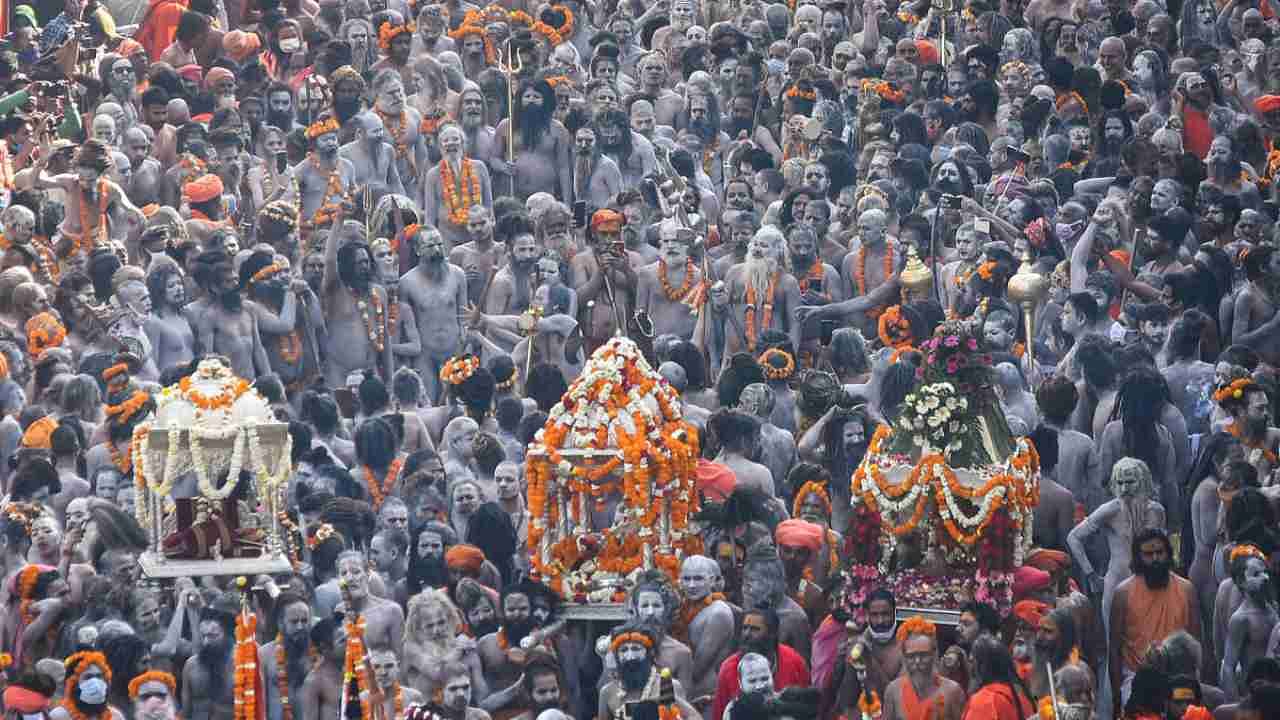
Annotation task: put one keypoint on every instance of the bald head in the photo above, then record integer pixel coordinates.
(675, 375)
(177, 112)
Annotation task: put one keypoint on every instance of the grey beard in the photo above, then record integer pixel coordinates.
(882, 637)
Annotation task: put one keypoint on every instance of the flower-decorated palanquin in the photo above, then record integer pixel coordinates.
(946, 494)
(210, 469)
(611, 479)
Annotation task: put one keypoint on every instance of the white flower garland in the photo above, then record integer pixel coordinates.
(202, 471)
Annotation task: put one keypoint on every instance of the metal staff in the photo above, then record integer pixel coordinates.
(511, 68)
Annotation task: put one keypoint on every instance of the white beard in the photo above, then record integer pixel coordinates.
(759, 272)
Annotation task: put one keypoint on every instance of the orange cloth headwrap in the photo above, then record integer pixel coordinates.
(928, 53)
(799, 533)
(1267, 103)
(1050, 561)
(465, 557)
(39, 434)
(152, 676)
(1030, 611)
(607, 220)
(202, 189)
(240, 44)
(43, 332)
(128, 47)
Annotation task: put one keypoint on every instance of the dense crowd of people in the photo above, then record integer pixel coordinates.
(410, 225)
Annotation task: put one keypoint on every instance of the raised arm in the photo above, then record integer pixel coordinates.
(330, 282)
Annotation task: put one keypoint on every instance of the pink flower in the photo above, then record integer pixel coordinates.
(951, 365)
(933, 358)
(972, 344)
(952, 341)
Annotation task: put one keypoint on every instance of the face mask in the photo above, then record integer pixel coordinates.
(290, 45)
(93, 691)
(882, 637)
(1065, 231)
(775, 65)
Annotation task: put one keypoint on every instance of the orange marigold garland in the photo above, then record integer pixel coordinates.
(248, 681)
(611, 408)
(1234, 391)
(388, 32)
(750, 317)
(77, 663)
(777, 363)
(894, 330)
(884, 90)
(458, 370)
(379, 493)
(676, 294)
(458, 206)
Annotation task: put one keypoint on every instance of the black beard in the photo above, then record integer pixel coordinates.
(517, 631)
(634, 674)
(295, 653)
(231, 301)
(487, 627)
(1257, 426)
(760, 647)
(330, 153)
(87, 709)
(433, 573)
(314, 281)
(213, 658)
(949, 187)
(967, 113)
(346, 108)
(284, 120)
(359, 284)
(802, 263)
(1155, 575)
(739, 126)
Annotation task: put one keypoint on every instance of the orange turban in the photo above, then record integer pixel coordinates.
(928, 53)
(1267, 103)
(607, 220)
(1027, 580)
(160, 676)
(716, 481)
(240, 44)
(129, 47)
(202, 189)
(43, 332)
(191, 72)
(1050, 561)
(464, 557)
(799, 533)
(1030, 611)
(1197, 712)
(4, 367)
(39, 434)
(215, 74)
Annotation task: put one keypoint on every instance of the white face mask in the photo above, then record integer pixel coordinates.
(291, 45)
(93, 691)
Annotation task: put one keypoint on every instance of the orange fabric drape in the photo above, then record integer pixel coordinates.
(159, 26)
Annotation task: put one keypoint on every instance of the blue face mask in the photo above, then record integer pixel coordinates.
(775, 65)
(93, 691)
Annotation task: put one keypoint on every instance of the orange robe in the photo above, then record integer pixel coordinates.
(159, 26)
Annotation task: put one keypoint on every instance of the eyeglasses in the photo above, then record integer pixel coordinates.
(122, 70)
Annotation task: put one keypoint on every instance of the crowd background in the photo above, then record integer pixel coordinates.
(409, 226)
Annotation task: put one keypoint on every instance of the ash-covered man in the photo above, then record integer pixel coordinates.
(453, 186)
(384, 620)
(293, 646)
(386, 672)
(402, 123)
(605, 277)
(354, 307)
(221, 321)
(758, 295)
(88, 678)
(152, 693)
(325, 178)
(670, 290)
(639, 676)
(480, 135)
(208, 676)
(596, 179)
(372, 157)
(89, 195)
(436, 290)
(146, 173)
(542, 152)
(654, 603)
(705, 621)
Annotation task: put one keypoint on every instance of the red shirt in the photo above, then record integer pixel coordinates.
(1197, 136)
(792, 671)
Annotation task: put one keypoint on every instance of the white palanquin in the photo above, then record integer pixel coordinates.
(210, 426)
